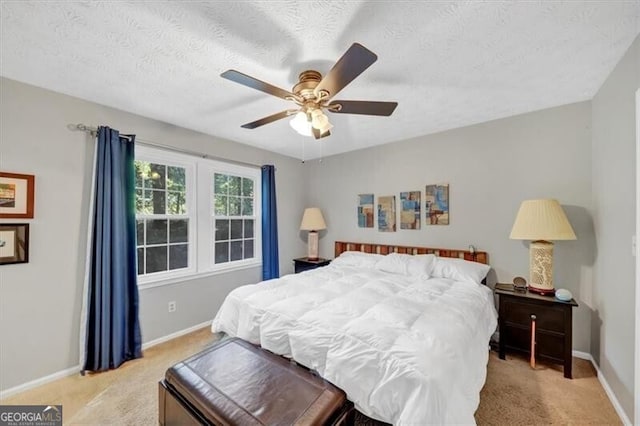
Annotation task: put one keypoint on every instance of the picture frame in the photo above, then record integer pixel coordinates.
(437, 204)
(16, 196)
(14, 243)
(387, 213)
(365, 210)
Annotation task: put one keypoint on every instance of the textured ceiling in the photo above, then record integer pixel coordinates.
(447, 64)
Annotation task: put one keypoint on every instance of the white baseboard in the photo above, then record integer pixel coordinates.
(38, 382)
(583, 355)
(605, 385)
(174, 335)
(76, 369)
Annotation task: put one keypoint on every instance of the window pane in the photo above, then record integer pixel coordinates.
(235, 185)
(154, 202)
(177, 203)
(140, 201)
(222, 252)
(236, 229)
(248, 228)
(156, 177)
(147, 208)
(156, 259)
(142, 168)
(178, 231)
(220, 184)
(247, 187)
(234, 206)
(176, 179)
(221, 205)
(247, 207)
(248, 249)
(156, 232)
(140, 232)
(140, 261)
(222, 230)
(178, 256)
(236, 250)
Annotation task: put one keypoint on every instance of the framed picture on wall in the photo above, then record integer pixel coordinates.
(14, 243)
(16, 196)
(387, 213)
(365, 210)
(410, 210)
(437, 204)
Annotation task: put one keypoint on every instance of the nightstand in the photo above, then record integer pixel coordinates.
(304, 264)
(553, 326)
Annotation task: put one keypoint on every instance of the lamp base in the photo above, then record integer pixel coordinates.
(312, 245)
(541, 267)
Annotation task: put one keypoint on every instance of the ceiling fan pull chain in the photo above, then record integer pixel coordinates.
(304, 154)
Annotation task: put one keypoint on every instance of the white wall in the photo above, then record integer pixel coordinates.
(491, 168)
(40, 301)
(614, 201)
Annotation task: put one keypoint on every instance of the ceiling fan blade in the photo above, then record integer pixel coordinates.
(355, 60)
(363, 107)
(254, 83)
(269, 119)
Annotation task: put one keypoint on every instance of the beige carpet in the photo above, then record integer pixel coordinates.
(513, 395)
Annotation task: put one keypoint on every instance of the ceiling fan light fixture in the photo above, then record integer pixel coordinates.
(318, 119)
(301, 125)
(325, 128)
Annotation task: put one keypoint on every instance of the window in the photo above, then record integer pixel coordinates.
(194, 216)
(161, 217)
(233, 218)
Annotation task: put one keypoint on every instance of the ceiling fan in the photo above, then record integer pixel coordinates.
(312, 94)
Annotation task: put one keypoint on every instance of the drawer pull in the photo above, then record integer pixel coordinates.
(533, 342)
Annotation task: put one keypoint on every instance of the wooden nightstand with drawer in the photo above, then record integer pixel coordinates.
(553, 326)
(304, 264)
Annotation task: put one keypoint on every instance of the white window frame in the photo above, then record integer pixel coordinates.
(206, 249)
(170, 159)
(199, 174)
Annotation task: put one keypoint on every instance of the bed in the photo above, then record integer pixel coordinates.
(404, 331)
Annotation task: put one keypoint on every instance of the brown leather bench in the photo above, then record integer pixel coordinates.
(236, 383)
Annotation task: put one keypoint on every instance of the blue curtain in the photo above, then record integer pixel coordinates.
(112, 327)
(270, 265)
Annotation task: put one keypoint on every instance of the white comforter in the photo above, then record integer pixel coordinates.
(406, 350)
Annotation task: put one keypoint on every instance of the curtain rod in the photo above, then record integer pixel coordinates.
(94, 131)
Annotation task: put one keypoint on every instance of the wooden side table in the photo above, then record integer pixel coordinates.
(304, 264)
(553, 326)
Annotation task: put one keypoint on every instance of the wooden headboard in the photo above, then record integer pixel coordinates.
(476, 256)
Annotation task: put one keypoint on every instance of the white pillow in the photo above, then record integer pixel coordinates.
(421, 265)
(459, 269)
(407, 264)
(357, 258)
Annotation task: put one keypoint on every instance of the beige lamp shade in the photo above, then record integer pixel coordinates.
(312, 220)
(541, 220)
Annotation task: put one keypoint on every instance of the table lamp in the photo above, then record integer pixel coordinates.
(313, 222)
(541, 221)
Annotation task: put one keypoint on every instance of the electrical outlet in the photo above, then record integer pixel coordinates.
(172, 306)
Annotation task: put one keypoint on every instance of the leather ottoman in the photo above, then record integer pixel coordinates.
(237, 383)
